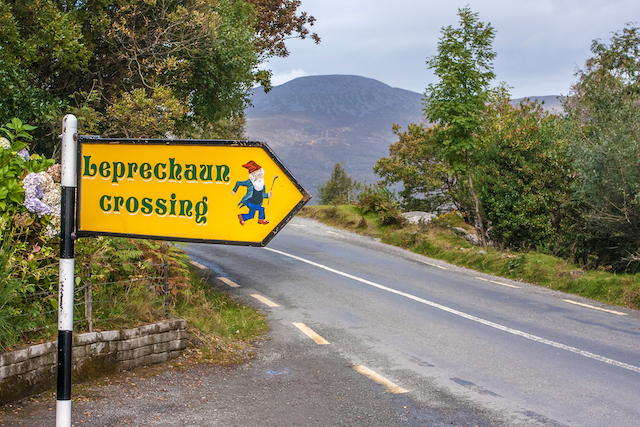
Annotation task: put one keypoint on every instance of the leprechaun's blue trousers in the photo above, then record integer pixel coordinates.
(252, 212)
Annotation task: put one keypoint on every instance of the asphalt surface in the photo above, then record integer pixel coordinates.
(447, 369)
(292, 382)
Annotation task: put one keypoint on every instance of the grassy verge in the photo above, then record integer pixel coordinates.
(221, 330)
(440, 240)
(127, 291)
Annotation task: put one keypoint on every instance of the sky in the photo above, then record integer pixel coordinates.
(539, 43)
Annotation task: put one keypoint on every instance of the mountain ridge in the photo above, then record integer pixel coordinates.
(314, 122)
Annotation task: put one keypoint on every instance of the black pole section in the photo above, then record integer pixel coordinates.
(65, 350)
(68, 206)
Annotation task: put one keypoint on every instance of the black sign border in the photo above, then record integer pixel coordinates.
(88, 139)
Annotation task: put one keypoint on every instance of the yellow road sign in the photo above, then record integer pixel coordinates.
(234, 192)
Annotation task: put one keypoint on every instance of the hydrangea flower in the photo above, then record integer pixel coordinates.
(52, 198)
(46, 182)
(42, 197)
(51, 231)
(24, 154)
(32, 186)
(56, 172)
(5, 144)
(36, 206)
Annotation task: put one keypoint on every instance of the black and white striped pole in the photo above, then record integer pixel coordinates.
(67, 266)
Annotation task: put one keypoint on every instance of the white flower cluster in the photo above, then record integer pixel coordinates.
(42, 197)
(5, 144)
(4, 222)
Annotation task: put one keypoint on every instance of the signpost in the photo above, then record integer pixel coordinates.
(183, 190)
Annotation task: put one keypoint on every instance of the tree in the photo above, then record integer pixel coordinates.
(106, 60)
(523, 173)
(277, 21)
(463, 65)
(339, 188)
(603, 109)
(416, 162)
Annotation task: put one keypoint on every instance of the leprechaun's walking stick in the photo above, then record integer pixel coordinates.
(274, 181)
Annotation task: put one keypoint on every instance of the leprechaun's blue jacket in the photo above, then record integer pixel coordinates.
(249, 185)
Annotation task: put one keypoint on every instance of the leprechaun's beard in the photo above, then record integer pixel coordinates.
(258, 183)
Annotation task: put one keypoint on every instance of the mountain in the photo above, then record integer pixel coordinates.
(314, 122)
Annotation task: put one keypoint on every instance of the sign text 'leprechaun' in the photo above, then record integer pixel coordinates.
(184, 190)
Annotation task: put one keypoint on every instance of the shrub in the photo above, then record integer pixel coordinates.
(378, 199)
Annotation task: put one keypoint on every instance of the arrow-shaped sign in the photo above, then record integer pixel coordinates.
(186, 190)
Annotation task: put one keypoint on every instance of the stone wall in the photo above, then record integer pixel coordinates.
(34, 369)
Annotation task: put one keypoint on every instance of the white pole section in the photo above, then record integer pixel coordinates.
(67, 267)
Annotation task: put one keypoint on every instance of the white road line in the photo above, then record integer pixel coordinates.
(499, 283)
(228, 282)
(468, 316)
(391, 387)
(311, 333)
(200, 266)
(333, 232)
(594, 308)
(433, 265)
(265, 300)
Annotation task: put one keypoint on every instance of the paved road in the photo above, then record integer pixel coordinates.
(408, 341)
(509, 348)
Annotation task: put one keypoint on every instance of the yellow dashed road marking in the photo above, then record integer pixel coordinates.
(228, 282)
(200, 266)
(311, 334)
(391, 387)
(265, 300)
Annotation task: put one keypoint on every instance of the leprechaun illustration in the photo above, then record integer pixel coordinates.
(256, 193)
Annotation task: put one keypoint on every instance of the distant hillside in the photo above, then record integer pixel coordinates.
(314, 122)
(550, 102)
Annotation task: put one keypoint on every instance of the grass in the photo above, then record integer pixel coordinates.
(440, 240)
(221, 329)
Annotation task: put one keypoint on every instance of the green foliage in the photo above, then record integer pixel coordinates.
(15, 163)
(20, 97)
(416, 162)
(28, 265)
(144, 113)
(449, 220)
(605, 147)
(142, 69)
(379, 200)
(464, 68)
(28, 281)
(340, 187)
(224, 75)
(567, 186)
(463, 65)
(523, 174)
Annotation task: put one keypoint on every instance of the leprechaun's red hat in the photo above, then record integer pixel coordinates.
(252, 166)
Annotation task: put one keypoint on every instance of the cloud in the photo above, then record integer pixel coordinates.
(539, 43)
(283, 77)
